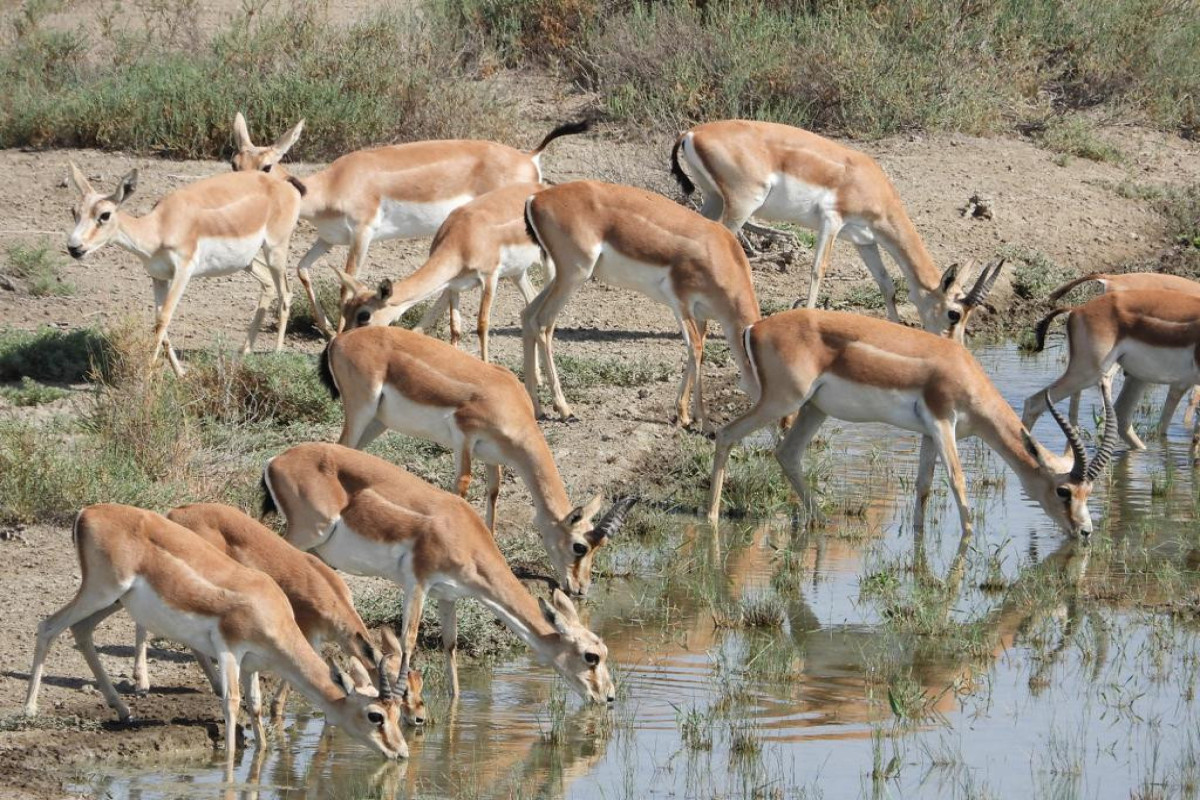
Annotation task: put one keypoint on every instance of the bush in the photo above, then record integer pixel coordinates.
(279, 389)
(38, 266)
(51, 355)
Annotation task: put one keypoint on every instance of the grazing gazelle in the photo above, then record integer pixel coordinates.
(181, 587)
(821, 364)
(645, 242)
(209, 228)
(399, 191)
(321, 601)
(1154, 335)
(366, 516)
(422, 387)
(777, 172)
(1139, 281)
(478, 244)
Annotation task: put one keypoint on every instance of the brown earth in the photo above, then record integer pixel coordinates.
(1071, 213)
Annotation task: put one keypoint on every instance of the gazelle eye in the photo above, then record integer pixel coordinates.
(580, 549)
(105, 217)
(591, 659)
(267, 168)
(1063, 492)
(954, 315)
(363, 317)
(375, 717)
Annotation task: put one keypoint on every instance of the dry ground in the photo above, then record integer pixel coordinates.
(1071, 213)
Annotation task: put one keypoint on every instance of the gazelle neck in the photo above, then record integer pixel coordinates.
(429, 279)
(906, 246)
(138, 235)
(498, 589)
(299, 664)
(541, 477)
(1001, 429)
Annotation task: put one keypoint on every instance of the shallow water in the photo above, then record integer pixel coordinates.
(865, 682)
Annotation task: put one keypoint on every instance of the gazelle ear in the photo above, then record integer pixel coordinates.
(341, 678)
(125, 188)
(564, 607)
(370, 651)
(360, 677)
(289, 138)
(385, 288)
(551, 616)
(349, 281)
(78, 179)
(241, 133)
(1034, 449)
(949, 277)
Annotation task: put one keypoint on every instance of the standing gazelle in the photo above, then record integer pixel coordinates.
(1154, 335)
(320, 600)
(399, 191)
(777, 172)
(478, 244)
(368, 517)
(395, 378)
(209, 228)
(181, 587)
(645, 242)
(819, 364)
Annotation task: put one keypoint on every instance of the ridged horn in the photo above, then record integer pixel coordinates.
(983, 285)
(386, 690)
(1108, 444)
(1078, 469)
(613, 519)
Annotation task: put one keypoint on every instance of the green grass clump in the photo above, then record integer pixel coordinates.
(279, 388)
(38, 266)
(480, 634)
(1034, 275)
(1076, 136)
(1181, 208)
(302, 318)
(387, 77)
(51, 355)
(577, 374)
(31, 393)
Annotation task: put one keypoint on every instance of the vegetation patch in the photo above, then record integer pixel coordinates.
(38, 267)
(51, 355)
(32, 393)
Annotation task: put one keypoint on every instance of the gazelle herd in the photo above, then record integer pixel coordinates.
(245, 600)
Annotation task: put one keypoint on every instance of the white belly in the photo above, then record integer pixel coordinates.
(150, 610)
(215, 257)
(403, 219)
(516, 259)
(617, 269)
(792, 200)
(347, 550)
(1158, 364)
(432, 423)
(854, 402)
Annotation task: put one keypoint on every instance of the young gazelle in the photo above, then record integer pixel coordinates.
(478, 244)
(1154, 335)
(641, 241)
(395, 378)
(404, 190)
(320, 600)
(179, 586)
(1140, 281)
(819, 364)
(777, 172)
(209, 228)
(364, 515)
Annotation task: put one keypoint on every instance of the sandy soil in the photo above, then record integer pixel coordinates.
(1071, 213)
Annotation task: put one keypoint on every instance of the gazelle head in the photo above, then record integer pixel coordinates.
(95, 214)
(374, 721)
(960, 306)
(1064, 496)
(577, 654)
(251, 158)
(412, 701)
(361, 305)
(573, 540)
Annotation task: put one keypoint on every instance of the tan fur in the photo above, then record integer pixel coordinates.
(170, 239)
(492, 418)
(936, 387)
(736, 162)
(1100, 334)
(361, 513)
(122, 549)
(697, 266)
(467, 251)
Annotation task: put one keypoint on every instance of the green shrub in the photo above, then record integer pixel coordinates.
(38, 266)
(52, 355)
(31, 393)
(280, 389)
(1076, 136)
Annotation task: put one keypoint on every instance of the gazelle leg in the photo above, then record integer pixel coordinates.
(449, 621)
(1189, 413)
(354, 262)
(790, 455)
(528, 293)
(174, 293)
(209, 668)
(160, 297)
(414, 603)
(759, 416)
(538, 331)
(830, 226)
(361, 426)
(485, 312)
(943, 437)
(82, 631)
(266, 296)
(277, 264)
(874, 261)
(493, 492)
(1196, 441)
(455, 318)
(925, 467)
(1126, 405)
(231, 693)
(319, 248)
(1175, 393)
(141, 673)
(462, 468)
(252, 691)
(279, 701)
(430, 318)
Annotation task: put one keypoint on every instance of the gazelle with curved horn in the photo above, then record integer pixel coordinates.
(422, 387)
(777, 172)
(1153, 335)
(479, 244)
(399, 191)
(320, 600)
(181, 587)
(364, 515)
(819, 364)
(645, 242)
(974, 299)
(207, 229)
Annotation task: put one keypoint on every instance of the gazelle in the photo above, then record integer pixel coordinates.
(645, 242)
(1140, 281)
(179, 586)
(422, 387)
(478, 244)
(777, 172)
(819, 364)
(1154, 335)
(399, 191)
(974, 299)
(320, 600)
(210, 228)
(363, 515)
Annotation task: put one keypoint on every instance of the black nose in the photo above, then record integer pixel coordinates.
(419, 720)
(612, 698)
(76, 252)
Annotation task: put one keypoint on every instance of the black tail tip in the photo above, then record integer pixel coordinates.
(268, 500)
(567, 129)
(685, 183)
(326, 373)
(298, 184)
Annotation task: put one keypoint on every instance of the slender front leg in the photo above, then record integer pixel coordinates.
(438, 307)
(462, 468)
(493, 492)
(253, 694)
(175, 291)
(266, 296)
(277, 264)
(528, 293)
(943, 435)
(449, 621)
(485, 312)
(1174, 394)
(1189, 413)
(279, 701)
(874, 261)
(830, 226)
(209, 668)
(790, 455)
(232, 696)
(160, 297)
(141, 674)
(928, 460)
(455, 318)
(319, 248)
(1132, 390)
(414, 603)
